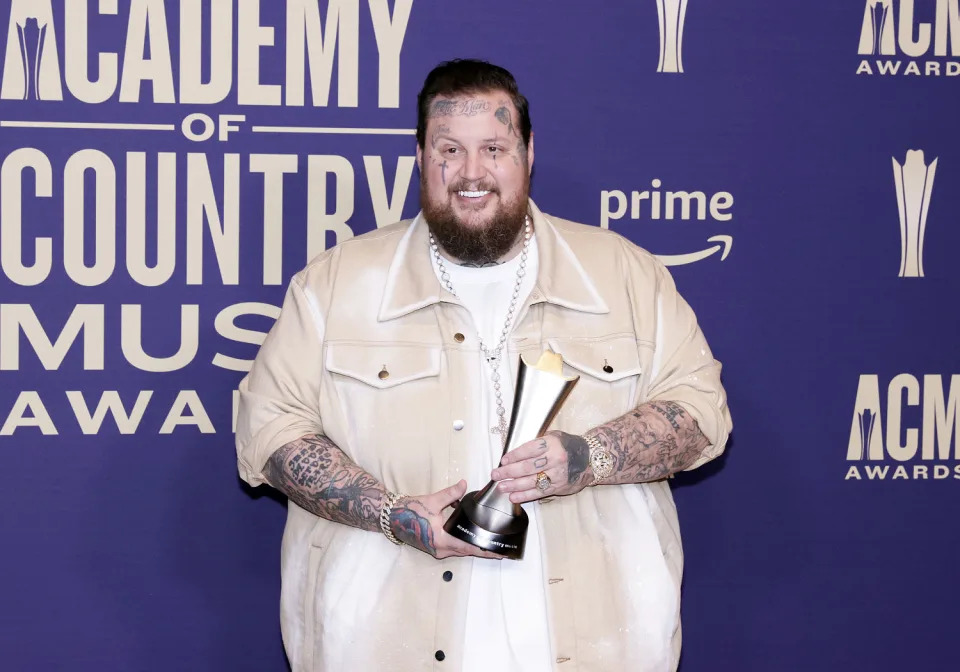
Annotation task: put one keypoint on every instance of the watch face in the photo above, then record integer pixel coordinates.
(602, 463)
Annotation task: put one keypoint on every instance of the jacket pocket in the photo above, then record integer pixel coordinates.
(383, 366)
(610, 371)
(382, 405)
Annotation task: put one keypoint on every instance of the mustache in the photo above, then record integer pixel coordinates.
(464, 185)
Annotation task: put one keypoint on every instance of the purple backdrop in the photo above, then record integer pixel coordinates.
(159, 187)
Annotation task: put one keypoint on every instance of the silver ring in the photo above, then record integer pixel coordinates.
(543, 481)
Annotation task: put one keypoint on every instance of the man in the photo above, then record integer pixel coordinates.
(383, 390)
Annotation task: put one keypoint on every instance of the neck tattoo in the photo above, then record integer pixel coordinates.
(492, 356)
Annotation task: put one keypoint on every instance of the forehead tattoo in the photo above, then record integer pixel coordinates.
(463, 107)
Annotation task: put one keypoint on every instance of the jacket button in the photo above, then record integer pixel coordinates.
(384, 374)
(459, 338)
(457, 425)
(606, 367)
(448, 576)
(439, 655)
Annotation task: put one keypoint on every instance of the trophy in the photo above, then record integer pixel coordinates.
(487, 518)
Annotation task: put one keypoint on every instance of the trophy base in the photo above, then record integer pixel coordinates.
(487, 528)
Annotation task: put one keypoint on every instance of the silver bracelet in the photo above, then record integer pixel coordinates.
(389, 501)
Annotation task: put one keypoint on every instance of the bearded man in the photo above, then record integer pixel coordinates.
(389, 372)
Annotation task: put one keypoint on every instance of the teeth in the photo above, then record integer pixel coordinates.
(472, 194)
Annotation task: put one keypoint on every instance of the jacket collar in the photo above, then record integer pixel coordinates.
(561, 279)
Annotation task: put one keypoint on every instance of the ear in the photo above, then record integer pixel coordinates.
(530, 155)
(419, 158)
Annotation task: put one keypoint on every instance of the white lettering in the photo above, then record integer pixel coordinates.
(202, 204)
(198, 415)
(303, 25)
(606, 214)
(941, 421)
(319, 222)
(136, 197)
(84, 317)
(39, 417)
(105, 217)
(147, 24)
(387, 210)
(948, 27)
(251, 36)
(19, 81)
(389, 35)
(273, 167)
(109, 402)
(11, 216)
(898, 450)
(75, 43)
(866, 428)
(225, 324)
(192, 89)
(908, 45)
(131, 339)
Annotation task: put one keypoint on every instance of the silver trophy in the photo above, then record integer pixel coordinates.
(487, 518)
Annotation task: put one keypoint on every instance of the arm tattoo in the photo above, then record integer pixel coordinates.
(411, 528)
(315, 474)
(651, 442)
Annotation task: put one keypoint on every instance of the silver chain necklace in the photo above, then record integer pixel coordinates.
(493, 356)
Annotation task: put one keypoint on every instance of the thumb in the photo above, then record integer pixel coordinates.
(450, 495)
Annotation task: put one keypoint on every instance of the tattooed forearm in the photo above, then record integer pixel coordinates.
(651, 442)
(464, 107)
(320, 478)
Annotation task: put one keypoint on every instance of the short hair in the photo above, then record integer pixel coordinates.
(465, 76)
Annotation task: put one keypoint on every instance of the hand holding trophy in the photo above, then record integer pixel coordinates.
(487, 518)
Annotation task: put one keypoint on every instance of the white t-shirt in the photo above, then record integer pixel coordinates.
(507, 609)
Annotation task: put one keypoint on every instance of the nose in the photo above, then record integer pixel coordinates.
(472, 167)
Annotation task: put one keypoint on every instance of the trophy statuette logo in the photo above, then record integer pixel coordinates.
(487, 518)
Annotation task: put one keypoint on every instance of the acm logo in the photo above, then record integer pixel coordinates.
(894, 29)
(918, 438)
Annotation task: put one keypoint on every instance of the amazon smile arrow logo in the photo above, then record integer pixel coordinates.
(726, 242)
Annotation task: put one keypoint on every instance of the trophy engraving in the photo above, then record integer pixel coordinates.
(487, 518)
(914, 180)
(671, 14)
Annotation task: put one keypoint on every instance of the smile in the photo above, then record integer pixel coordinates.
(472, 194)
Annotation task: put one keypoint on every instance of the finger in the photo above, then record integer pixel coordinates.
(525, 451)
(518, 484)
(531, 495)
(524, 468)
(448, 496)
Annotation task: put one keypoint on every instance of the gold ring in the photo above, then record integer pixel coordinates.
(543, 481)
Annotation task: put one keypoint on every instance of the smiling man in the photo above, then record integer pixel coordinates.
(389, 372)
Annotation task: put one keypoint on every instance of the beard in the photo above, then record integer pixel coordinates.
(480, 243)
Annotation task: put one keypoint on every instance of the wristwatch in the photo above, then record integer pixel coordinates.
(601, 459)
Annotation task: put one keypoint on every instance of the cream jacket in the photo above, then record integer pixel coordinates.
(350, 599)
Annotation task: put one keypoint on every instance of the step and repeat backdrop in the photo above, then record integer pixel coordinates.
(165, 167)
